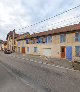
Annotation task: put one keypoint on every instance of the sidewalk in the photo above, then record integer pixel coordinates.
(42, 59)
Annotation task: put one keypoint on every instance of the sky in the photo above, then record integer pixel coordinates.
(18, 14)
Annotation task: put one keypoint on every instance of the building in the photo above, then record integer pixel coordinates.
(11, 40)
(3, 45)
(21, 43)
(57, 43)
(1, 41)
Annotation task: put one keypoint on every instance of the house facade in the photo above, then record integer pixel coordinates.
(11, 41)
(21, 43)
(1, 41)
(57, 43)
(3, 45)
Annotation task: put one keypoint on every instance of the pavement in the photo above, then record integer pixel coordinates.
(42, 59)
(40, 77)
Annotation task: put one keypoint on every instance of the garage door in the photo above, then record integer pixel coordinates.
(47, 52)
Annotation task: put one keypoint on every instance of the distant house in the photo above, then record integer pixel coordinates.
(11, 40)
(21, 43)
(1, 41)
(3, 45)
(56, 43)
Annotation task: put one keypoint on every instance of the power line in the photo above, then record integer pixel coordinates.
(57, 23)
(62, 21)
(51, 17)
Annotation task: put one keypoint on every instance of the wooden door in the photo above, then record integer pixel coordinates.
(62, 51)
(23, 50)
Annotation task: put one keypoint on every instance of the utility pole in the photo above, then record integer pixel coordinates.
(13, 38)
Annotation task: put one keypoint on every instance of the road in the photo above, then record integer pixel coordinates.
(11, 83)
(20, 75)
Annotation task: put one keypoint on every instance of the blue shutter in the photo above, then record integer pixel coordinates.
(79, 37)
(46, 39)
(26, 41)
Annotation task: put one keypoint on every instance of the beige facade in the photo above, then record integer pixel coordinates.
(11, 41)
(54, 46)
(3, 46)
(20, 45)
(56, 49)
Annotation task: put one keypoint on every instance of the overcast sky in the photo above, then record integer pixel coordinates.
(17, 14)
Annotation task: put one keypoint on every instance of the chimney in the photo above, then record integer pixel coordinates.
(14, 30)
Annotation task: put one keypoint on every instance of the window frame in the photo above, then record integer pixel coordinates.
(77, 51)
(49, 39)
(62, 38)
(28, 49)
(77, 37)
(35, 49)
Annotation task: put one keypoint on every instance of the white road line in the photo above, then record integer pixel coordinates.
(40, 62)
(45, 63)
(27, 59)
(31, 60)
(35, 61)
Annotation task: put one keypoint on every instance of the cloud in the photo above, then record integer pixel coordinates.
(20, 13)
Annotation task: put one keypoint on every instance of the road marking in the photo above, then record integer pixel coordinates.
(31, 60)
(65, 68)
(23, 58)
(27, 59)
(35, 61)
(40, 62)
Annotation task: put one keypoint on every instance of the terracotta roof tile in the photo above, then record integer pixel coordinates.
(56, 31)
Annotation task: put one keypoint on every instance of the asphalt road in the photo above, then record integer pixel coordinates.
(20, 75)
(9, 82)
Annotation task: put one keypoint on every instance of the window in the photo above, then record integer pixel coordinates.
(35, 49)
(40, 40)
(77, 36)
(62, 38)
(77, 51)
(49, 39)
(18, 43)
(27, 41)
(28, 49)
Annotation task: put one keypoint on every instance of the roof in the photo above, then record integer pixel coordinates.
(1, 41)
(57, 31)
(23, 36)
(70, 28)
(11, 35)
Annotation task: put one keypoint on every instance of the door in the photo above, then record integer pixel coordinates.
(69, 52)
(62, 51)
(23, 50)
(47, 52)
(18, 49)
